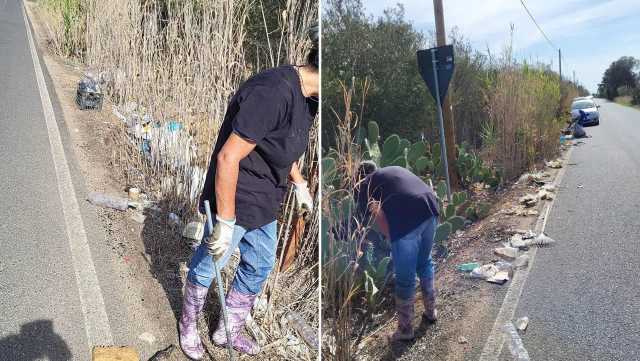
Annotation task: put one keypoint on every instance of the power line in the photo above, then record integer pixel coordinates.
(537, 25)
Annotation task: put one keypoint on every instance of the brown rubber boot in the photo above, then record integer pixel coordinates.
(404, 311)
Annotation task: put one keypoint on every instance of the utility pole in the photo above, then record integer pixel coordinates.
(449, 128)
(560, 63)
(574, 77)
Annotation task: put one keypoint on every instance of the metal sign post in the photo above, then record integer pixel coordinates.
(437, 76)
(443, 145)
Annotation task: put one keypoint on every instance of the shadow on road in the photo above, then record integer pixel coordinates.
(36, 341)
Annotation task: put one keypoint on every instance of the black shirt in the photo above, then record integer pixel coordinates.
(270, 110)
(406, 200)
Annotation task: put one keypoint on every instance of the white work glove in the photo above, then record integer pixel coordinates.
(220, 239)
(304, 201)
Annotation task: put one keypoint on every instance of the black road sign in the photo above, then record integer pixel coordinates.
(444, 65)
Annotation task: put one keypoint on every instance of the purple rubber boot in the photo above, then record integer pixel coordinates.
(238, 307)
(430, 314)
(404, 311)
(194, 298)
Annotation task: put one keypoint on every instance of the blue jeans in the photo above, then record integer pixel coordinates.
(257, 258)
(412, 255)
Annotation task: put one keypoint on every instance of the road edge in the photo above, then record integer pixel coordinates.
(495, 342)
(97, 326)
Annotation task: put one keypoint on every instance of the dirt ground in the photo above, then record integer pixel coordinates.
(466, 307)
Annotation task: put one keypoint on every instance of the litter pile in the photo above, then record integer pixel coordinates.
(544, 190)
(514, 256)
(167, 145)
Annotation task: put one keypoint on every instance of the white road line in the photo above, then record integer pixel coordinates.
(93, 309)
(493, 346)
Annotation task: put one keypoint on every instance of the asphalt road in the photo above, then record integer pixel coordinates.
(41, 315)
(583, 295)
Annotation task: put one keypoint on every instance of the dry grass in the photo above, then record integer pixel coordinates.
(524, 104)
(343, 237)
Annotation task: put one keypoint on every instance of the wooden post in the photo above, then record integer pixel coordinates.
(560, 63)
(447, 111)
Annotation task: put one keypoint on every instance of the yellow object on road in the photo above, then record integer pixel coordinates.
(114, 353)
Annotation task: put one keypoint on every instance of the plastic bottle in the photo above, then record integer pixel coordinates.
(516, 347)
(105, 200)
(307, 333)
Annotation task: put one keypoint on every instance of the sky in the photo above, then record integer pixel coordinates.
(591, 33)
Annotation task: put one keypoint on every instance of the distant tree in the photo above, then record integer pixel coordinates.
(382, 50)
(619, 74)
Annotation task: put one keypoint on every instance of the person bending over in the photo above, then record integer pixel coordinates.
(405, 210)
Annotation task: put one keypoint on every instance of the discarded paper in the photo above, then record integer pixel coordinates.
(484, 272)
(499, 278)
(556, 164)
(510, 253)
(522, 323)
(540, 241)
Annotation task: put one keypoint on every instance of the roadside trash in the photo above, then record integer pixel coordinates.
(305, 331)
(521, 261)
(173, 126)
(467, 267)
(526, 234)
(516, 347)
(174, 219)
(183, 270)
(535, 178)
(516, 241)
(109, 353)
(134, 194)
(89, 94)
(484, 272)
(138, 217)
(522, 323)
(549, 188)
(255, 331)
(499, 278)
(462, 340)
(147, 337)
(545, 195)
(193, 230)
(503, 266)
(525, 178)
(168, 354)
(107, 201)
(555, 164)
(506, 252)
(579, 132)
(521, 211)
(540, 241)
(528, 200)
